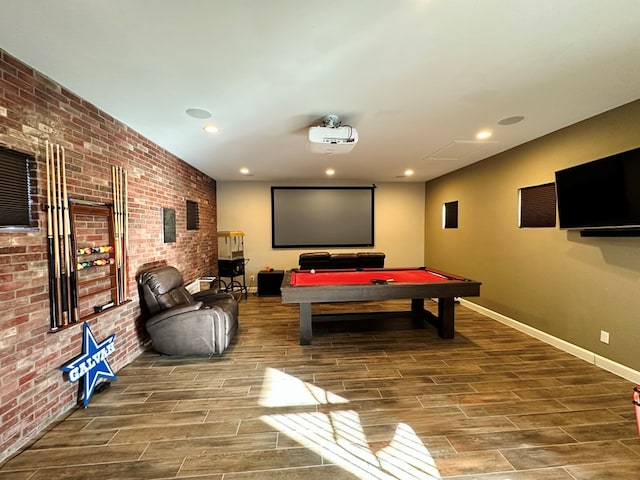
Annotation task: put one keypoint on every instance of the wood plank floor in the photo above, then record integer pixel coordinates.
(367, 400)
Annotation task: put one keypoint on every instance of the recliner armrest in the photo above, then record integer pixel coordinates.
(208, 296)
(178, 310)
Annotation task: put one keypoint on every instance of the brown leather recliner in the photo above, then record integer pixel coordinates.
(185, 324)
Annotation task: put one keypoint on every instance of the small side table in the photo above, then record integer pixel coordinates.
(269, 282)
(206, 283)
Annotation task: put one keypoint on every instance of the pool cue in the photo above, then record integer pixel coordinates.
(121, 236)
(115, 231)
(116, 225)
(125, 227)
(53, 294)
(56, 240)
(64, 281)
(69, 265)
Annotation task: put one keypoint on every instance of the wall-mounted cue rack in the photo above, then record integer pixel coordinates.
(87, 247)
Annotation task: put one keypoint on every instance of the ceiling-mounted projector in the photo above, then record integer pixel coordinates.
(332, 138)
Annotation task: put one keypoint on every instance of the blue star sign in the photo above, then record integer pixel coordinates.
(92, 364)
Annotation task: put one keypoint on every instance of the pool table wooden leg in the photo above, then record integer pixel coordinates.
(417, 305)
(306, 330)
(446, 311)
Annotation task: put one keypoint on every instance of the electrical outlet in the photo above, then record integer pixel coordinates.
(252, 278)
(604, 337)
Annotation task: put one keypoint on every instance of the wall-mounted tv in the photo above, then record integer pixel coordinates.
(602, 194)
(322, 217)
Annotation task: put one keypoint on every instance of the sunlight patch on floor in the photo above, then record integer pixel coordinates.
(339, 436)
(280, 389)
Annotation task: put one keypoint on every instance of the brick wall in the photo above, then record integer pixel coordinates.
(34, 109)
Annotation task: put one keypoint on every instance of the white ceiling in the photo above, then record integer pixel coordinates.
(417, 78)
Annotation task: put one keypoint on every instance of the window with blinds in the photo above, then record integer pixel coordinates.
(16, 209)
(537, 206)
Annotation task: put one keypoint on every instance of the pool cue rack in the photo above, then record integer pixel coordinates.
(86, 246)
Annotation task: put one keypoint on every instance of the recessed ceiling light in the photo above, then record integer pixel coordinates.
(408, 172)
(483, 134)
(330, 171)
(511, 120)
(244, 171)
(210, 129)
(198, 113)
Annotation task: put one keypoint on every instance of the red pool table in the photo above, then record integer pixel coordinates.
(351, 285)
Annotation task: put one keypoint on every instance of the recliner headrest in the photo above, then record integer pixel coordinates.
(163, 288)
(162, 279)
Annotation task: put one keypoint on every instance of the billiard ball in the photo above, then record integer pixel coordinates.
(313, 270)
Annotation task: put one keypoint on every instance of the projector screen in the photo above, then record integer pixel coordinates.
(317, 217)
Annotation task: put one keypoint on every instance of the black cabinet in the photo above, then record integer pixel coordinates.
(234, 271)
(231, 268)
(269, 282)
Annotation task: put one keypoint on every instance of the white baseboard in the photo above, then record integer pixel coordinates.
(602, 362)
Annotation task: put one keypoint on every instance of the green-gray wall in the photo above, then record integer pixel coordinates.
(550, 279)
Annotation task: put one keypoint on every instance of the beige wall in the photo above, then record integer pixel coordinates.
(551, 279)
(399, 223)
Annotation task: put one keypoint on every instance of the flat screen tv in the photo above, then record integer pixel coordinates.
(602, 194)
(322, 217)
